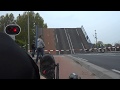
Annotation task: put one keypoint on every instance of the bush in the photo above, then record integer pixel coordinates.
(20, 42)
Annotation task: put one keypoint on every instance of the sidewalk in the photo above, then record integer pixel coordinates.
(68, 66)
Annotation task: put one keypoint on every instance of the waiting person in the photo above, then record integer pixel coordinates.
(40, 47)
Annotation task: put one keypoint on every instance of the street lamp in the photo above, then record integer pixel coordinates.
(96, 38)
(28, 35)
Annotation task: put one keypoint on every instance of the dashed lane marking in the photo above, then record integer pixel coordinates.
(116, 71)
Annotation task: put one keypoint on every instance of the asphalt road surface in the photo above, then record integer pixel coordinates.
(61, 41)
(110, 61)
(68, 40)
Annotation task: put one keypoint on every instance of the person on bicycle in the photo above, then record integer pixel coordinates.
(40, 47)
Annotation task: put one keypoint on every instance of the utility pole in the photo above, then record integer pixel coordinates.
(28, 35)
(96, 38)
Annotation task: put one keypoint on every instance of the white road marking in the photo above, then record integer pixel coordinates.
(82, 59)
(71, 44)
(109, 55)
(83, 46)
(79, 58)
(116, 70)
(68, 40)
(85, 60)
(77, 32)
(105, 54)
(48, 42)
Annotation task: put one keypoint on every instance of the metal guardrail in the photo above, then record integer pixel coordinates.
(86, 36)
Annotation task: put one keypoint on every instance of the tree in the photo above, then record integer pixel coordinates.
(11, 18)
(45, 25)
(117, 45)
(22, 21)
(100, 44)
(34, 19)
(5, 20)
(39, 20)
(2, 23)
(108, 45)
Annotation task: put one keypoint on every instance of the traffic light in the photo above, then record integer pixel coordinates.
(12, 29)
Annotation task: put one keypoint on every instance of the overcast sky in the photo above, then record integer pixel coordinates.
(106, 23)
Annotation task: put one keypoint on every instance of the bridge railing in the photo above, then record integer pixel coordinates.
(86, 36)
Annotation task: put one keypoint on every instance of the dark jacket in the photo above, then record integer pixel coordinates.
(33, 46)
(15, 63)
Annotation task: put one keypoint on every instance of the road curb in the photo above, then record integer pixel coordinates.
(101, 73)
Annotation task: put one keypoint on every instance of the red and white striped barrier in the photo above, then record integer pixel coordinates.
(66, 50)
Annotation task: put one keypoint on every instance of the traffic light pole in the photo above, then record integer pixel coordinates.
(28, 35)
(36, 34)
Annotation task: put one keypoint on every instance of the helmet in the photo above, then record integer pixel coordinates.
(73, 76)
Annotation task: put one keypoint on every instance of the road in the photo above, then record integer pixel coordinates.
(61, 41)
(110, 61)
(75, 37)
(68, 40)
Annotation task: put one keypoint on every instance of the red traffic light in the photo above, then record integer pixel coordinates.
(12, 29)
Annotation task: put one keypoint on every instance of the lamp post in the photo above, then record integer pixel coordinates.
(28, 35)
(96, 38)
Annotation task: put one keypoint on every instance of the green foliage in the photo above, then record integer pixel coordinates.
(20, 42)
(108, 45)
(45, 25)
(100, 44)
